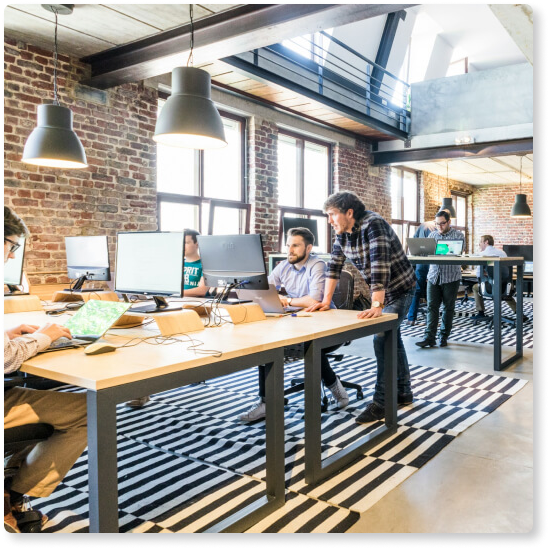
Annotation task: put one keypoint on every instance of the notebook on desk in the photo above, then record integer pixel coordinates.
(89, 323)
(268, 300)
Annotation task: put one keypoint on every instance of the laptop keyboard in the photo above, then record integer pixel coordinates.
(67, 342)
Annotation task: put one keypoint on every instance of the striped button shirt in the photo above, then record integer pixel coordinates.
(375, 250)
(19, 349)
(442, 274)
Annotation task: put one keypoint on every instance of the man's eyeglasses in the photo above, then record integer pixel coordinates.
(441, 224)
(14, 245)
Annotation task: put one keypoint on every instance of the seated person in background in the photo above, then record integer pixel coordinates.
(486, 246)
(193, 280)
(423, 231)
(193, 286)
(39, 469)
(302, 275)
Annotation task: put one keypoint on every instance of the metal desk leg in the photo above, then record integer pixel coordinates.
(312, 413)
(520, 304)
(102, 465)
(274, 448)
(496, 292)
(391, 378)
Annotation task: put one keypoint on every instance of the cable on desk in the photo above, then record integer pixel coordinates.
(170, 340)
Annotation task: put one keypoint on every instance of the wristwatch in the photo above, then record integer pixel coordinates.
(376, 304)
(290, 300)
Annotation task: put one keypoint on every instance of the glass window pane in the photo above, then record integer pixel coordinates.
(410, 196)
(227, 221)
(222, 167)
(176, 216)
(396, 194)
(461, 210)
(287, 171)
(398, 231)
(176, 170)
(322, 245)
(316, 176)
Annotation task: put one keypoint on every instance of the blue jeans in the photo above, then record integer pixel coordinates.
(400, 307)
(421, 290)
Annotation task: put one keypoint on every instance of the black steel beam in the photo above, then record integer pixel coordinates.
(474, 150)
(227, 33)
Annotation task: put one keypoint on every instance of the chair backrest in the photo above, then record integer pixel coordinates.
(344, 293)
(506, 282)
(17, 438)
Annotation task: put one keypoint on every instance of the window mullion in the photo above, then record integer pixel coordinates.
(301, 173)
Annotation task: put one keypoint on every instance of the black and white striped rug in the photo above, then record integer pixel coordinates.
(185, 461)
(464, 330)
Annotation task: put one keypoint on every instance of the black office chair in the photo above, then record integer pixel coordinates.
(343, 299)
(17, 439)
(486, 290)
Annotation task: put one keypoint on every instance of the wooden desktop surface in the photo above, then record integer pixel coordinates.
(144, 361)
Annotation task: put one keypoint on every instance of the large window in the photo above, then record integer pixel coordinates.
(404, 202)
(459, 201)
(191, 182)
(304, 182)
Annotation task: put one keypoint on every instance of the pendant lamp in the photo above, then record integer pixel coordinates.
(520, 209)
(189, 117)
(53, 143)
(447, 202)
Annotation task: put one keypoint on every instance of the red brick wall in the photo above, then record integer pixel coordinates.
(116, 192)
(492, 209)
(263, 181)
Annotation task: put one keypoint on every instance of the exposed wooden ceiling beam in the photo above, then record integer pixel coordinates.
(227, 33)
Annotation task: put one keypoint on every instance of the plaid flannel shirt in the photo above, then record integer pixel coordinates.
(375, 250)
(443, 274)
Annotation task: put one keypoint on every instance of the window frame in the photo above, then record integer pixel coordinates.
(200, 199)
(406, 223)
(462, 228)
(301, 210)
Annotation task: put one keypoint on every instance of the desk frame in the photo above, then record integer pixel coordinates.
(497, 263)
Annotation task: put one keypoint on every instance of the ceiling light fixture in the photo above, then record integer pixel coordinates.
(520, 209)
(53, 143)
(189, 118)
(447, 202)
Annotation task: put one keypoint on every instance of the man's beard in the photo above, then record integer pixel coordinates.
(297, 259)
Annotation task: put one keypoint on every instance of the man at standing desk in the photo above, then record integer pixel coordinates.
(36, 471)
(302, 276)
(442, 286)
(374, 248)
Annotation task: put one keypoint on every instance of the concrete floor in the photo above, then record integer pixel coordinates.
(482, 482)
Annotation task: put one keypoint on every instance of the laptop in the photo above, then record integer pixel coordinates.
(421, 246)
(268, 300)
(449, 247)
(529, 267)
(89, 323)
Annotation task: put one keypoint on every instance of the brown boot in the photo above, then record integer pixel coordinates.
(10, 524)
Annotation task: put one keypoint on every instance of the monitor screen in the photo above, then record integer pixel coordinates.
(233, 259)
(293, 222)
(150, 263)
(13, 269)
(449, 247)
(520, 250)
(88, 256)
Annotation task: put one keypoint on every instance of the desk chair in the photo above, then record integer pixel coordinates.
(343, 299)
(486, 290)
(17, 439)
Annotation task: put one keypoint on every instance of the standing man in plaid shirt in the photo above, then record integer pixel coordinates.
(369, 242)
(442, 286)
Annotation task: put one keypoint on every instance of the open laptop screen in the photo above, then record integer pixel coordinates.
(96, 317)
(449, 247)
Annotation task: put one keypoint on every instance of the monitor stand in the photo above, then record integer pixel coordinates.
(14, 290)
(224, 298)
(161, 305)
(78, 286)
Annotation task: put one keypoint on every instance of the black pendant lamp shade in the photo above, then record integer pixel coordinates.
(447, 205)
(189, 117)
(53, 142)
(520, 209)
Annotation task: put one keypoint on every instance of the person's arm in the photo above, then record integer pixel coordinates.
(329, 289)
(332, 273)
(316, 288)
(199, 291)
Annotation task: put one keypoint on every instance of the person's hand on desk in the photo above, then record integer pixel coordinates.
(283, 300)
(318, 306)
(21, 330)
(374, 312)
(54, 331)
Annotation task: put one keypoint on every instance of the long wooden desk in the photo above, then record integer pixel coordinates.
(131, 372)
(497, 263)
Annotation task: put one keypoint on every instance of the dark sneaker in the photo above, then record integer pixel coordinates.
(426, 343)
(411, 322)
(405, 398)
(373, 412)
(479, 316)
(443, 342)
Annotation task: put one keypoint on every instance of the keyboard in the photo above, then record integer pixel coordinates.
(67, 342)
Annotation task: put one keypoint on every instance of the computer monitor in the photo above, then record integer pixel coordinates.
(13, 269)
(87, 259)
(233, 261)
(293, 222)
(520, 250)
(150, 263)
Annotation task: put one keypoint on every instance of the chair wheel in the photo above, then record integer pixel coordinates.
(359, 395)
(294, 382)
(324, 405)
(31, 528)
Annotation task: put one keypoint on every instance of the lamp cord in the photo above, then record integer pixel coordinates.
(520, 176)
(55, 96)
(190, 59)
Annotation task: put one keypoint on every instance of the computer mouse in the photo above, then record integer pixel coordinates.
(99, 348)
